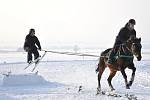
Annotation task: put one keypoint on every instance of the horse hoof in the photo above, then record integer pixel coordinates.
(97, 93)
(98, 90)
(130, 83)
(127, 87)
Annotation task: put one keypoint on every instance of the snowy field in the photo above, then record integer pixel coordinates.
(61, 76)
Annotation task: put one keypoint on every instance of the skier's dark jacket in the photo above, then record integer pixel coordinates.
(31, 42)
(124, 35)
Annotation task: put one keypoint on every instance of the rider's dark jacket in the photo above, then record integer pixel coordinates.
(124, 35)
(31, 42)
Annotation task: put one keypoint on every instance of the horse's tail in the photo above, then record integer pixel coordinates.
(100, 64)
(102, 58)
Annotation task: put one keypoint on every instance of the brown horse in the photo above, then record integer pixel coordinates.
(123, 60)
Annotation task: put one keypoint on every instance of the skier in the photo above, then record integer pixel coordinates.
(31, 45)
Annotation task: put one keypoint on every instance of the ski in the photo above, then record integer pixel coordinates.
(38, 61)
(30, 64)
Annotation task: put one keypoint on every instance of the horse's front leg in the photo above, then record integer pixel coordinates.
(125, 77)
(133, 73)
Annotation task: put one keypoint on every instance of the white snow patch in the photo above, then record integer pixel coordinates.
(24, 80)
(5, 97)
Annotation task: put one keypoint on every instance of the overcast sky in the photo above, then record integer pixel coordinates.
(77, 22)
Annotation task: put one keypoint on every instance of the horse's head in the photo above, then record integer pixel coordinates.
(135, 46)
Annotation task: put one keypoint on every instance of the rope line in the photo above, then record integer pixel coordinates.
(71, 53)
(81, 54)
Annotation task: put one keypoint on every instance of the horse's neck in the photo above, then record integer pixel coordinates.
(125, 49)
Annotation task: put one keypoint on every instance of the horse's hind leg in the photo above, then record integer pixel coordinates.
(131, 66)
(101, 70)
(112, 74)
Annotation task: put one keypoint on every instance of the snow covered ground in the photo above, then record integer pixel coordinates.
(61, 76)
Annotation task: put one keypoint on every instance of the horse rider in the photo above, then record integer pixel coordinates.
(31, 45)
(125, 33)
